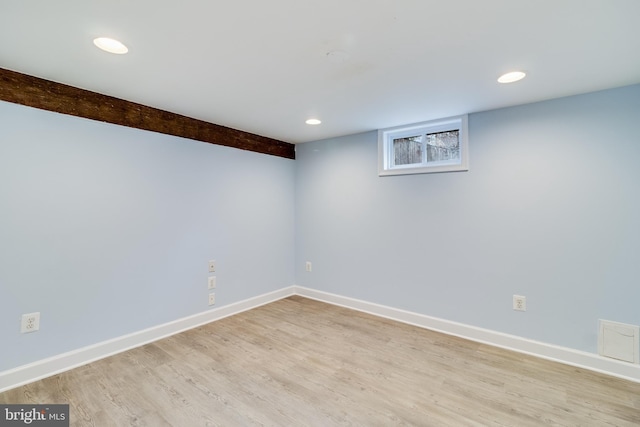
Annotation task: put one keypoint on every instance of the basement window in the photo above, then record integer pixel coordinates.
(427, 147)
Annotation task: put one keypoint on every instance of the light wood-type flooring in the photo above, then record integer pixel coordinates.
(299, 362)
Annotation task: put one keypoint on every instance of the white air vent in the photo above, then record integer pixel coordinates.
(619, 341)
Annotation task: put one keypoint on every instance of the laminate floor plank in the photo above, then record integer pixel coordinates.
(300, 362)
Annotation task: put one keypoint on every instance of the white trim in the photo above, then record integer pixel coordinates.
(54, 365)
(63, 362)
(565, 355)
(386, 162)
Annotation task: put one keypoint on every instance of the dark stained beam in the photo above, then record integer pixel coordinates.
(47, 95)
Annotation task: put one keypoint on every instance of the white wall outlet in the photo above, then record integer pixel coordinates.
(308, 267)
(519, 303)
(212, 266)
(211, 282)
(212, 298)
(30, 322)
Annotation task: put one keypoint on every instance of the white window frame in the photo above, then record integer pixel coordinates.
(386, 153)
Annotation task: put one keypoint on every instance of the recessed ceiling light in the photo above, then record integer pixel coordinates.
(511, 77)
(110, 45)
(313, 122)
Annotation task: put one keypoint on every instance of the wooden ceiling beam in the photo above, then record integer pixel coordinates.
(60, 98)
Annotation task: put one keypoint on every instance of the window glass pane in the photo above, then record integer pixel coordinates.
(443, 146)
(408, 150)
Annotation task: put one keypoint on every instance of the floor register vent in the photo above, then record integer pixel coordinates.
(619, 341)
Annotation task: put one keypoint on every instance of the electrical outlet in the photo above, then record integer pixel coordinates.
(212, 298)
(212, 266)
(308, 266)
(211, 282)
(519, 303)
(30, 323)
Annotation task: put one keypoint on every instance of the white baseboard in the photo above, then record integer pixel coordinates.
(567, 356)
(73, 359)
(54, 365)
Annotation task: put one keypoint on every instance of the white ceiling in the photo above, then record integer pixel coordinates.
(262, 66)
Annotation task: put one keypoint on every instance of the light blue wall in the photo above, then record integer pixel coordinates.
(550, 209)
(107, 230)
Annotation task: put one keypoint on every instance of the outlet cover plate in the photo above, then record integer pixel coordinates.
(519, 303)
(212, 266)
(30, 322)
(211, 282)
(212, 298)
